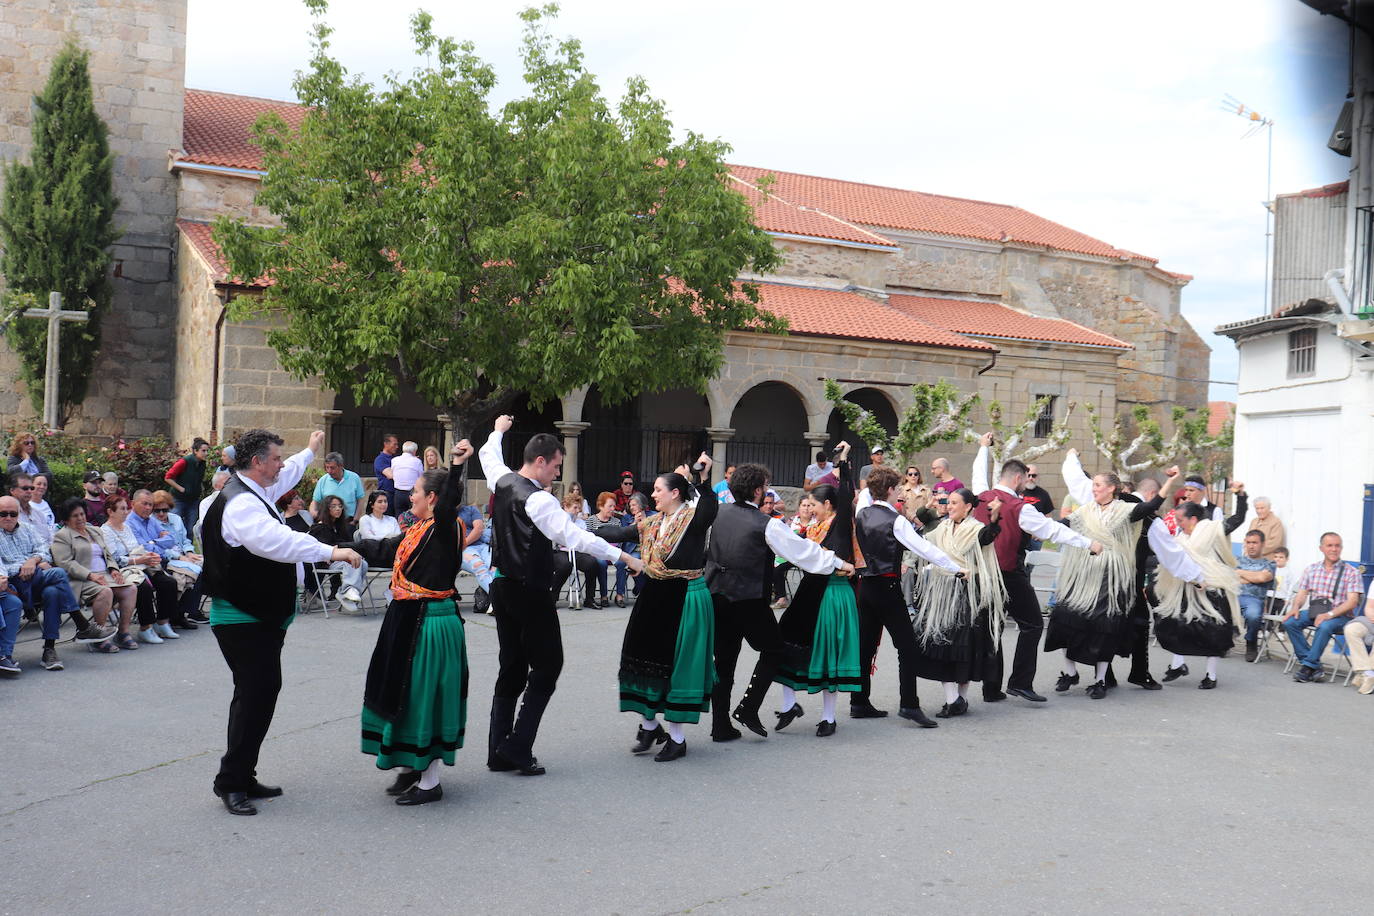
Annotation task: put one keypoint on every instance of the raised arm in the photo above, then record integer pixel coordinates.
(294, 467)
(493, 464)
(1144, 510)
(979, 478)
(1079, 484)
(1237, 519)
(451, 494)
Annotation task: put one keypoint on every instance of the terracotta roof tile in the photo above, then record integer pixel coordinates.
(1219, 414)
(992, 319)
(1326, 190)
(217, 127)
(774, 214)
(834, 313)
(199, 235)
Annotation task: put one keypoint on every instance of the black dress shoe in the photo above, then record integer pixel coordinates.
(997, 697)
(1145, 681)
(498, 764)
(917, 715)
(404, 780)
(1026, 693)
(184, 625)
(750, 720)
(957, 708)
(1110, 679)
(866, 711)
(1065, 682)
(672, 750)
(787, 718)
(1173, 674)
(1208, 683)
(943, 713)
(258, 790)
(645, 739)
(237, 803)
(418, 796)
(825, 729)
(1098, 690)
(729, 733)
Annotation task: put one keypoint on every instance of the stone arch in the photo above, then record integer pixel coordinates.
(770, 422)
(876, 401)
(725, 397)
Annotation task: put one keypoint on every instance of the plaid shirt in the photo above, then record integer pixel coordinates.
(17, 546)
(1320, 582)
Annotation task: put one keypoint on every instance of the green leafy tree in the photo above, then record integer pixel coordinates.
(477, 253)
(1129, 454)
(938, 413)
(56, 228)
(1008, 439)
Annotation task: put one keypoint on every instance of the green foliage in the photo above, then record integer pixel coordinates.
(140, 463)
(475, 253)
(938, 413)
(56, 227)
(1007, 438)
(1189, 445)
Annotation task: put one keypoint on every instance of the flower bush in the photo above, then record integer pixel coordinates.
(140, 463)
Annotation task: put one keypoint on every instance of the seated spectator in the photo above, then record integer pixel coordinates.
(640, 507)
(477, 555)
(722, 489)
(227, 456)
(606, 517)
(155, 535)
(405, 470)
(811, 478)
(24, 457)
(1256, 578)
(21, 488)
(11, 616)
(217, 482)
(624, 492)
(335, 529)
(575, 489)
(94, 498)
(1284, 581)
(588, 565)
(375, 523)
(79, 550)
(28, 565)
(337, 481)
(164, 511)
(294, 513)
(182, 561)
(1268, 524)
(109, 485)
(38, 504)
(158, 595)
(1359, 635)
(1327, 593)
(945, 482)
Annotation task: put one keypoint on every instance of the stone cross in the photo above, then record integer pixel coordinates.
(55, 315)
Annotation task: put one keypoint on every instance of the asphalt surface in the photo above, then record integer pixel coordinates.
(1235, 800)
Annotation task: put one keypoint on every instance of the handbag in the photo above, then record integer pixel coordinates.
(133, 575)
(1322, 604)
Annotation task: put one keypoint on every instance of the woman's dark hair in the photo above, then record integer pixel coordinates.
(746, 479)
(672, 480)
(967, 495)
(197, 442)
(69, 506)
(373, 497)
(1193, 510)
(341, 524)
(825, 493)
(434, 479)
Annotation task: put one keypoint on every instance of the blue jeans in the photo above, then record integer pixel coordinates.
(13, 609)
(477, 560)
(1311, 656)
(1252, 609)
(52, 585)
(188, 509)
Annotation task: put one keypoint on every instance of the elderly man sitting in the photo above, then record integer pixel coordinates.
(28, 564)
(1327, 593)
(21, 488)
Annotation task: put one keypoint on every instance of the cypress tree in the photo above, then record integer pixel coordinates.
(57, 225)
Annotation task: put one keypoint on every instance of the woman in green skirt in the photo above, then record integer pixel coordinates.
(820, 628)
(666, 663)
(415, 701)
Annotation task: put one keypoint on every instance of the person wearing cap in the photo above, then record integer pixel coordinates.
(624, 492)
(94, 498)
(876, 457)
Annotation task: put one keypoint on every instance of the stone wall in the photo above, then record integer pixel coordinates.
(198, 311)
(257, 392)
(856, 266)
(138, 62)
(204, 196)
(929, 266)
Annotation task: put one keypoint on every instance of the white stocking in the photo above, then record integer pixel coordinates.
(1178, 662)
(1069, 667)
(430, 777)
(1212, 667)
(1102, 670)
(675, 732)
(789, 699)
(951, 691)
(828, 700)
(963, 690)
(649, 724)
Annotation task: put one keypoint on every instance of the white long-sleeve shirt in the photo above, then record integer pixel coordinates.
(906, 533)
(247, 522)
(806, 555)
(1171, 554)
(1038, 526)
(543, 509)
(980, 471)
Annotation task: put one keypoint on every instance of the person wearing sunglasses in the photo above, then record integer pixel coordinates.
(24, 457)
(21, 488)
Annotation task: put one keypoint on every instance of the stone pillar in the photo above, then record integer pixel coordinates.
(330, 418)
(720, 435)
(571, 430)
(446, 447)
(816, 440)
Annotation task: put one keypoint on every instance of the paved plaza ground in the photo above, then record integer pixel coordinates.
(1179, 801)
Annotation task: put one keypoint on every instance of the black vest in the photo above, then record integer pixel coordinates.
(878, 541)
(519, 550)
(261, 588)
(739, 560)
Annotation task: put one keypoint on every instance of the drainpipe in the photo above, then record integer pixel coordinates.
(990, 364)
(223, 296)
(1333, 278)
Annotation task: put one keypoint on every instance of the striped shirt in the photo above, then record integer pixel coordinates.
(1321, 582)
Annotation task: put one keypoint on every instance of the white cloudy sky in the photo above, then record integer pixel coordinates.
(1102, 116)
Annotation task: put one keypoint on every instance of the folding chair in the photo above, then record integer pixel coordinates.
(1271, 630)
(373, 574)
(1044, 575)
(577, 588)
(314, 590)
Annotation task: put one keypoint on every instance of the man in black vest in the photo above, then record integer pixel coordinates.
(252, 569)
(739, 565)
(526, 522)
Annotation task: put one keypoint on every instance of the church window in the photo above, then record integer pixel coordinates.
(1044, 421)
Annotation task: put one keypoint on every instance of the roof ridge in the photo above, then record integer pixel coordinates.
(250, 98)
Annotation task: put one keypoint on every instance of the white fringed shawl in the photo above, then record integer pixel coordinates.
(1083, 577)
(937, 591)
(1211, 548)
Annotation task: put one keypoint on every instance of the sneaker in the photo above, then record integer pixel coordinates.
(149, 636)
(107, 647)
(348, 600)
(125, 641)
(197, 616)
(1065, 682)
(8, 668)
(165, 631)
(95, 633)
(50, 660)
